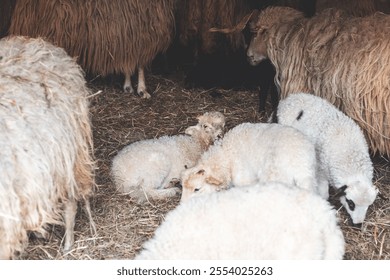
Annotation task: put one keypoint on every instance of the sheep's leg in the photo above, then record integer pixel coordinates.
(173, 183)
(156, 194)
(70, 217)
(127, 87)
(141, 89)
(273, 91)
(89, 214)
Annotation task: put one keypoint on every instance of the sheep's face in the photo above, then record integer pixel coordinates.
(358, 197)
(257, 50)
(259, 26)
(198, 181)
(262, 25)
(211, 125)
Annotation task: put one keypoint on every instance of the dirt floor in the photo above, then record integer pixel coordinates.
(123, 225)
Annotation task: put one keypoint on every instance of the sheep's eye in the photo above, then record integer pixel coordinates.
(196, 190)
(351, 204)
(200, 172)
(205, 126)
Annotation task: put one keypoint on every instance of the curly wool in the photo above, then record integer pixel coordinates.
(251, 153)
(342, 151)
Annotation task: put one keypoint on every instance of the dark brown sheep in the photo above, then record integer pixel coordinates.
(107, 37)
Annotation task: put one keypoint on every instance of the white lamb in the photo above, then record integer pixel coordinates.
(342, 150)
(251, 153)
(263, 221)
(151, 168)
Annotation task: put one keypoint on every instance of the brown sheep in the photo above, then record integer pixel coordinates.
(196, 17)
(107, 37)
(342, 59)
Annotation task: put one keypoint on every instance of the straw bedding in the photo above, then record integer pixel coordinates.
(123, 225)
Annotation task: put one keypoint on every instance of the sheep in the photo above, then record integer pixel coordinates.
(151, 168)
(262, 221)
(107, 37)
(252, 152)
(342, 59)
(46, 155)
(196, 17)
(344, 160)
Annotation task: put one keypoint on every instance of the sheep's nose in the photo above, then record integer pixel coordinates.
(358, 225)
(249, 54)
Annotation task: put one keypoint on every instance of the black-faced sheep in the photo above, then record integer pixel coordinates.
(150, 168)
(46, 142)
(342, 151)
(342, 59)
(251, 153)
(107, 37)
(269, 221)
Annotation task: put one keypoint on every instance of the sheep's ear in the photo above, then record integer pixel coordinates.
(240, 26)
(213, 181)
(190, 130)
(199, 117)
(341, 191)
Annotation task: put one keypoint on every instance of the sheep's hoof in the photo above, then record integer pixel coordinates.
(174, 183)
(144, 94)
(128, 89)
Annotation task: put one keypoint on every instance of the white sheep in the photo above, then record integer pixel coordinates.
(249, 153)
(342, 151)
(150, 168)
(261, 221)
(46, 163)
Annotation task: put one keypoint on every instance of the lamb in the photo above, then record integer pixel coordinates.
(151, 168)
(254, 222)
(46, 155)
(344, 160)
(340, 58)
(107, 37)
(251, 153)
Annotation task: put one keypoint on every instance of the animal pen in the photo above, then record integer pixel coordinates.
(119, 119)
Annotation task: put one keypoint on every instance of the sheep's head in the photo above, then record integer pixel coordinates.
(199, 180)
(356, 198)
(260, 25)
(210, 127)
